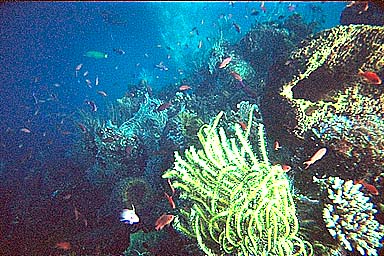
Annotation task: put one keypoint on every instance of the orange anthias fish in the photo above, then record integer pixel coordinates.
(184, 87)
(225, 62)
(317, 156)
(163, 221)
(276, 145)
(236, 76)
(242, 125)
(370, 77)
(63, 245)
(371, 189)
(164, 106)
(286, 168)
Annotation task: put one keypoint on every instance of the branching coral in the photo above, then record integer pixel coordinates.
(240, 203)
(349, 217)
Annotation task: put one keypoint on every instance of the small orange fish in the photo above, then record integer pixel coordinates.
(102, 93)
(243, 125)
(163, 221)
(370, 77)
(63, 245)
(184, 87)
(371, 189)
(164, 106)
(286, 168)
(236, 76)
(276, 145)
(225, 62)
(317, 156)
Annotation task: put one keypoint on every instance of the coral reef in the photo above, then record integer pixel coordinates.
(236, 201)
(325, 97)
(349, 217)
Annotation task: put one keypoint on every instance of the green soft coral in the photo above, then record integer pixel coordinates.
(240, 203)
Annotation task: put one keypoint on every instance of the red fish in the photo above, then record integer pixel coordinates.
(163, 221)
(164, 106)
(370, 77)
(225, 62)
(236, 76)
(63, 245)
(286, 168)
(276, 145)
(243, 125)
(184, 87)
(371, 189)
(317, 156)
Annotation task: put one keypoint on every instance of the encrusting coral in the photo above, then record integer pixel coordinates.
(236, 201)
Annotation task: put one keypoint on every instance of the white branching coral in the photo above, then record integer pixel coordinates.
(349, 217)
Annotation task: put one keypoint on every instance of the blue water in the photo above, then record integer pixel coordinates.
(43, 42)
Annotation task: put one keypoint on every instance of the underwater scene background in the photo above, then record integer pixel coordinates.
(192, 128)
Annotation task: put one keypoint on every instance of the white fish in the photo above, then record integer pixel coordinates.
(129, 216)
(97, 81)
(77, 69)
